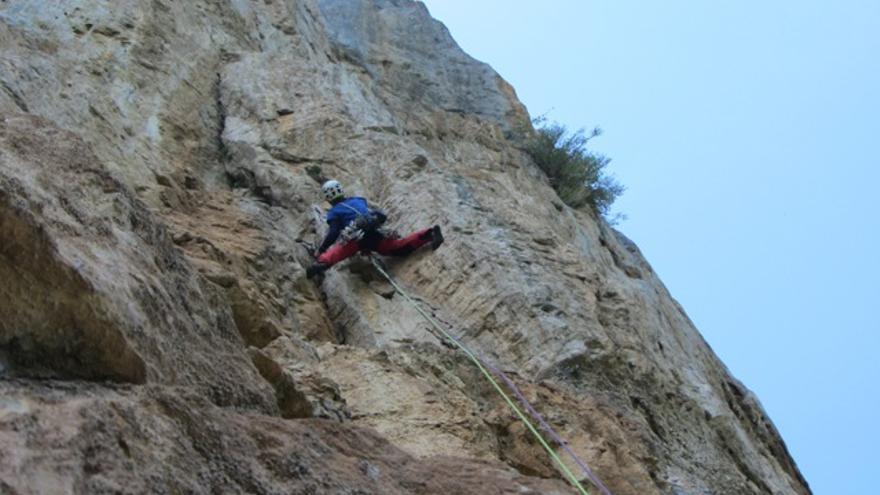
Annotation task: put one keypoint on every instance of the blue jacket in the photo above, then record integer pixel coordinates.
(340, 215)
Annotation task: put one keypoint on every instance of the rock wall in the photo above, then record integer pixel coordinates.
(159, 166)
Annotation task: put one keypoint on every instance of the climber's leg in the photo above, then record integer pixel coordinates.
(330, 257)
(339, 252)
(408, 244)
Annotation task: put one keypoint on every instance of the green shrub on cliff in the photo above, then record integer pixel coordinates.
(577, 174)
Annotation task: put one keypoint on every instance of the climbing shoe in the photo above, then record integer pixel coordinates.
(316, 269)
(436, 237)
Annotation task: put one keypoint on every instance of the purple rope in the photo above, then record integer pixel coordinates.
(522, 399)
(540, 419)
(537, 417)
(547, 428)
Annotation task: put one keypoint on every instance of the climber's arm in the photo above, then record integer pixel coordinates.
(331, 236)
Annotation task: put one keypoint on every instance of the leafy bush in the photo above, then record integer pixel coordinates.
(577, 174)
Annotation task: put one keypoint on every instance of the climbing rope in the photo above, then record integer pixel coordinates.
(540, 419)
(484, 367)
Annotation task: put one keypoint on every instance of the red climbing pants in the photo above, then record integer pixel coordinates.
(384, 246)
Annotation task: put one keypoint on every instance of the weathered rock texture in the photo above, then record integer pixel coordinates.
(159, 162)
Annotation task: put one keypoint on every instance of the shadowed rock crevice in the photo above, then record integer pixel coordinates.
(51, 321)
(97, 289)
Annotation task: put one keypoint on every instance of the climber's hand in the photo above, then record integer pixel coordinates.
(310, 248)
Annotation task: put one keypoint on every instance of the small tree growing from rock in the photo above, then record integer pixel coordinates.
(577, 174)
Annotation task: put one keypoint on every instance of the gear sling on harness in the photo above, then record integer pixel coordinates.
(362, 224)
(484, 368)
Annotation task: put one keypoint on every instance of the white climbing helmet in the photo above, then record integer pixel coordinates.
(332, 189)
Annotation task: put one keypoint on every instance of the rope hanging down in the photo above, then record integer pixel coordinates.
(482, 364)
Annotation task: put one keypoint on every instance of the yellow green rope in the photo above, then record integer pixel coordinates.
(571, 477)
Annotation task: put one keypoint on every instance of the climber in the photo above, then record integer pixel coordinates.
(356, 228)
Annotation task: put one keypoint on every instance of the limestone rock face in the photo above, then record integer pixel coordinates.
(93, 286)
(160, 165)
(414, 58)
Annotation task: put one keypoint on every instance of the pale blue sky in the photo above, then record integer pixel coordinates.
(746, 134)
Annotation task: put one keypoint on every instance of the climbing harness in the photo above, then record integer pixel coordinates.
(485, 368)
(363, 223)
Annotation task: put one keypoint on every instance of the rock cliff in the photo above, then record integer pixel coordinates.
(159, 166)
